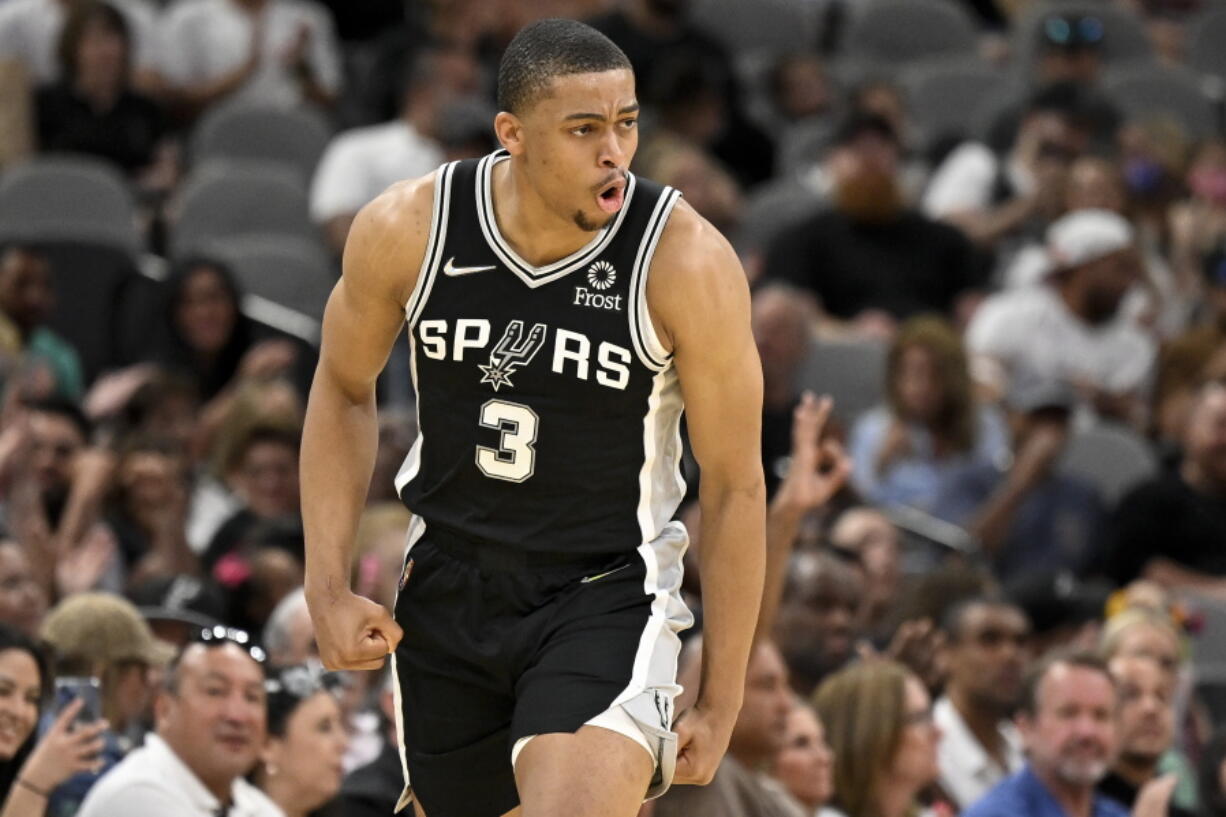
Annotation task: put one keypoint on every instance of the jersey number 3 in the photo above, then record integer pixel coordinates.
(514, 459)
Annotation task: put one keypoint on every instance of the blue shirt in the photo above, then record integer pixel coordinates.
(1024, 795)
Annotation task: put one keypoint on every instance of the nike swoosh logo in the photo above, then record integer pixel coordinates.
(599, 576)
(451, 269)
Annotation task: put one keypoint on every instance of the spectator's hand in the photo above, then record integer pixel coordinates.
(1037, 456)
(920, 645)
(819, 468)
(111, 392)
(80, 567)
(702, 740)
(65, 750)
(1154, 798)
(897, 444)
(267, 359)
(352, 632)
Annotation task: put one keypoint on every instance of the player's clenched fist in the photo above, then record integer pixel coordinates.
(702, 739)
(352, 632)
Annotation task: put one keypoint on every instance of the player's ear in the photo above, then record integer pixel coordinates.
(510, 132)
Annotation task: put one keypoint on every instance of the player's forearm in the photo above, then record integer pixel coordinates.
(339, 442)
(732, 561)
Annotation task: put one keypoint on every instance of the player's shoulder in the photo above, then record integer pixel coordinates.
(388, 239)
(693, 251)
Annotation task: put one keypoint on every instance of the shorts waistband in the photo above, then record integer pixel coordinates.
(498, 556)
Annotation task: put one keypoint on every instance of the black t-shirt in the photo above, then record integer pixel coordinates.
(1124, 793)
(1166, 517)
(905, 267)
(127, 134)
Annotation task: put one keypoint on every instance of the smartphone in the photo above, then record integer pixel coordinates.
(89, 690)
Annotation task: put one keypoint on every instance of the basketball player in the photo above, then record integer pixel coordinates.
(560, 311)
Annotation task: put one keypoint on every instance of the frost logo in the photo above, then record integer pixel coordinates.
(601, 275)
(512, 352)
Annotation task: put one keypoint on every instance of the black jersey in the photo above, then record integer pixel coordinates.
(548, 410)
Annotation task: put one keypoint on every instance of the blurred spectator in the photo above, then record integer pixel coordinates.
(1068, 725)
(986, 658)
(1066, 613)
(266, 52)
(101, 635)
(360, 164)
(93, 109)
(805, 764)
(397, 431)
(783, 319)
(1168, 528)
(301, 762)
(211, 729)
(674, 60)
(148, 509)
(874, 540)
(740, 789)
(374, 789)
(878, 718)
(379, 551)
(27, 297)
(818, 615)
(1142, 633)
(178, 607)
(1070, 327)
(800, 87)
(30, 32)
(23, 601)
(1026, 513)
(28, 773)
(289, 636)
(1146, 725)
(905, 451)
(266, 568)
(700, 177)
(870, 259)
(1212, 778)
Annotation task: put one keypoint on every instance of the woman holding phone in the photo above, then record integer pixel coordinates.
(29, 768)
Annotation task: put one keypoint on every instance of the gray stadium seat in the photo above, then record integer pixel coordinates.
(295, 137)
(774, 26)
(1111, 457)
(75, 199)
(288, 271)
(1124, 36)
(1206, 34)
(852, 372)
(771, 208)
(1149, 91)
(900, 31)
(221, 201)
(945, 96)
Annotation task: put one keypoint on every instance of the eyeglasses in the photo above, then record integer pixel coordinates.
(1073, 32)
(218, 635)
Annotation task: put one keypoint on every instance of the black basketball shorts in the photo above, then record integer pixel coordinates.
(502, 645)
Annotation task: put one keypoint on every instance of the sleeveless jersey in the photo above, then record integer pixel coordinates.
(548, 411)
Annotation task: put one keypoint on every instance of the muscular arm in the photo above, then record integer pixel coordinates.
(700, 300)
(363, 317)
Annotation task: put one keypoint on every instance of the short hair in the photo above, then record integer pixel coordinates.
(276, 631)
(64, 409)
(552, 48)
(80, 18)
(954, 620)
(1074, 658)
(258, 434)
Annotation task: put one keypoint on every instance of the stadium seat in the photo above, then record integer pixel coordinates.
(1111, 457)
(1148, 91)
(850, 371)
(899, 31)
(76, 199)
(1206, 33)
(771, 208)
(287, 271)
(293, 137)
(944, 96)
(1124, 36)
(224, 200)
(775, 26)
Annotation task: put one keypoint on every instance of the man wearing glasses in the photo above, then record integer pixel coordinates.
(211, 721)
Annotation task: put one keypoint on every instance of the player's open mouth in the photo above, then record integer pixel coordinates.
(611, 196)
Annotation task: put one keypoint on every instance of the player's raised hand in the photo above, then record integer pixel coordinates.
(352, 632)
(702, 740)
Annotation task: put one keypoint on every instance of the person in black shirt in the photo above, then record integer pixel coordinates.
(1171, 529)
(871, 258)
(93, 108)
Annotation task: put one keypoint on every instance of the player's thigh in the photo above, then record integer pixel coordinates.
(594, 772)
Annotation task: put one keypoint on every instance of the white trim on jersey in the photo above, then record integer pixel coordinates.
(531, 275)
(647, 344)
(661, 488)
(417, 529)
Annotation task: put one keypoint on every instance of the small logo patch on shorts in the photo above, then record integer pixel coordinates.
(404, 574)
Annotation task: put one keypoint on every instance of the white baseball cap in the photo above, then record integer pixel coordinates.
(1086, 235)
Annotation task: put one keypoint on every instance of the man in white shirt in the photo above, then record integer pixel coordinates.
(361, 163)
(281, 53)
(30, 34)
(211, 725)
(1070, 327)
(986, 657)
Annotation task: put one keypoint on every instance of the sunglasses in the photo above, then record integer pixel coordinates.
(219, 635)
(1072, 32)
(303, 681)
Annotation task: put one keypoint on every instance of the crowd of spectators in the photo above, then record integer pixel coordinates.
(1005, 599)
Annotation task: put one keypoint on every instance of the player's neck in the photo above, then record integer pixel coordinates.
(533, 230)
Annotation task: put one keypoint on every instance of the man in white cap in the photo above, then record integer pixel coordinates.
(1069, 327)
